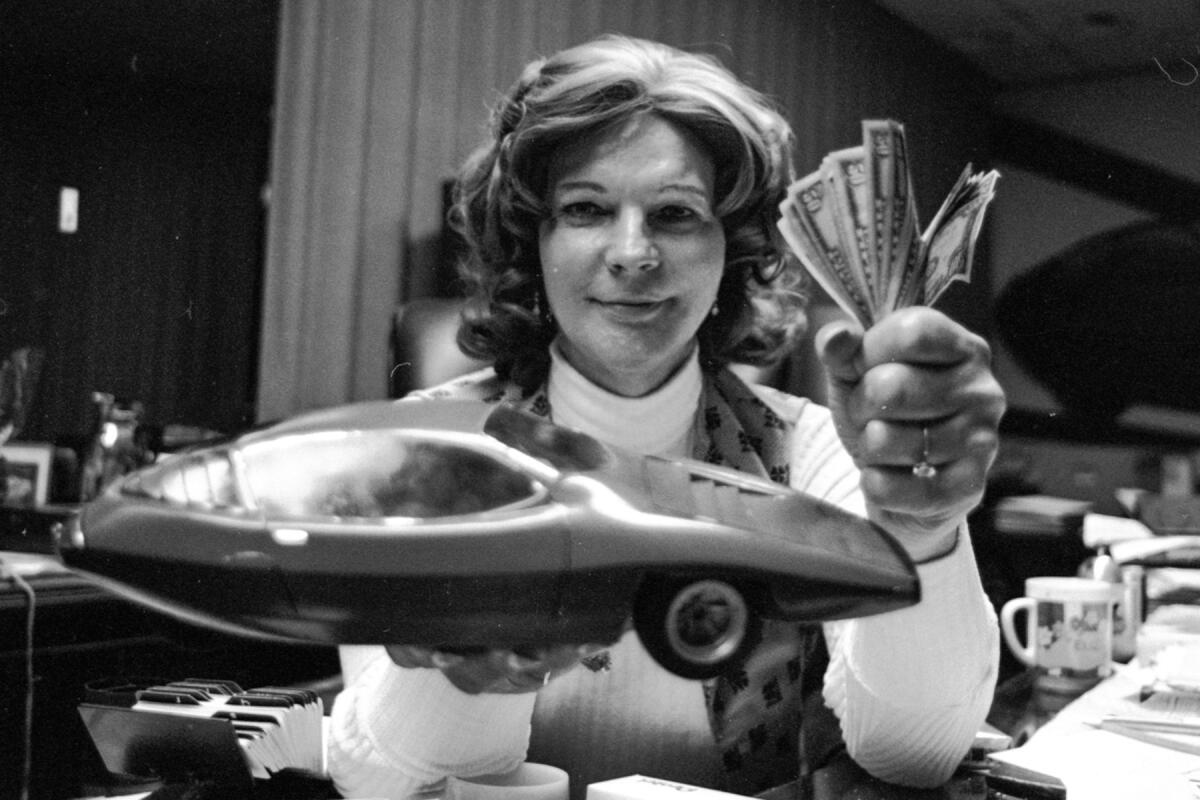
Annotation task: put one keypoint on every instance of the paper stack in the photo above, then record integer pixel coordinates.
(1039, 514)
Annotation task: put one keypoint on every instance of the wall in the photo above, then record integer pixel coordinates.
(378, 102)
(1152, 118)
(1032, 219)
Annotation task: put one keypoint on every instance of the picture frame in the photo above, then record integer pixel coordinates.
(26, 473)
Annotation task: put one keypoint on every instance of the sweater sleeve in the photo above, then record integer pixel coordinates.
(911, 687)
(396, 733)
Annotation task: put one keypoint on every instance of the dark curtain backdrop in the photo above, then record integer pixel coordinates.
(156, 297)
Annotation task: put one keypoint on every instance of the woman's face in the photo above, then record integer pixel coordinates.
(632, 253)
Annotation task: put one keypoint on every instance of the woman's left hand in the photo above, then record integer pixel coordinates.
(915, 388)
(482, 670)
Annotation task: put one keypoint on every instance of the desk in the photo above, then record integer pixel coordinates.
(1096, 764)
(80, 632)
(84, 633)
(841, 781)
(1054, 738)
(845, 780)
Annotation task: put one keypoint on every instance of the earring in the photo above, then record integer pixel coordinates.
(715, 310)
(546, 316)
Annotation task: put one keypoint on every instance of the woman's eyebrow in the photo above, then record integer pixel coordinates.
(574, 185)
(689, 188)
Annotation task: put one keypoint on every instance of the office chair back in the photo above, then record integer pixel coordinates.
(423, 350)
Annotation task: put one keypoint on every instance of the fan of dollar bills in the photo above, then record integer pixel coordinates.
(853, 225)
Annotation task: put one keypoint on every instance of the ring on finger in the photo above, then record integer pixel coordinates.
(922, 468)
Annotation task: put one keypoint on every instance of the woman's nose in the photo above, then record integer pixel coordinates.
(631, 247)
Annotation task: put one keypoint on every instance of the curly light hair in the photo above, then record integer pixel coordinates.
(501, 192)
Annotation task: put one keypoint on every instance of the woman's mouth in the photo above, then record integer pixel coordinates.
(631, 310)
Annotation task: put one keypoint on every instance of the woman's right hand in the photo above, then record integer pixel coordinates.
(496, 671)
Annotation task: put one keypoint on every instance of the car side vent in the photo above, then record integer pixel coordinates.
(694, 489)
(720, 502)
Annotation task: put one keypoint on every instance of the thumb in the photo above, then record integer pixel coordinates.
(839, 348)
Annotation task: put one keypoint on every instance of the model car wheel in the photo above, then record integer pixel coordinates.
(696, 628)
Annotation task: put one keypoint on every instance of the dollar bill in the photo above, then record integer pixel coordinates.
(944, 264)
(880, 146)
(899, 229)
(811, 210)
(950, 248)
(846, 184)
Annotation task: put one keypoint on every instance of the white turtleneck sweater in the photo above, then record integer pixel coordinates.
(910, 687)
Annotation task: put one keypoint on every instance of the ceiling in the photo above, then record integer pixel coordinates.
(232, 42)
(48, 44)
(1037, 42)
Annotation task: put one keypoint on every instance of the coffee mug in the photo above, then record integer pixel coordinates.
(529, 781)
(1068, 639)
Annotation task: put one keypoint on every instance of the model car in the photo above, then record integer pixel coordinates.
(463, 524)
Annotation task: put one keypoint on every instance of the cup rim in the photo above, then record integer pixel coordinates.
(1056, 587)
(526, 774)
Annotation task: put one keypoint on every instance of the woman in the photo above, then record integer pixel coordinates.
(623, 252)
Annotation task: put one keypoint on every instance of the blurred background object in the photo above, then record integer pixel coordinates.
(19, 376)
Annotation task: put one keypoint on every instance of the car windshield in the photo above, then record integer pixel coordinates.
(380, 474)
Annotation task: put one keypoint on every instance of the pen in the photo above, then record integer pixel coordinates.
(1154, 736)
(1164, 725)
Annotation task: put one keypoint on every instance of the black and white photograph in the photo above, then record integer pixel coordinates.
(26, 471)
(599, 399)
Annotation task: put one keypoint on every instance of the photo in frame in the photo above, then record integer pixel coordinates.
(25, 470)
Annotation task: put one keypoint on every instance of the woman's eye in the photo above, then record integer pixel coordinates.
(580, 213)
(676, 216)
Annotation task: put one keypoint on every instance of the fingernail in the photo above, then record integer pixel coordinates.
(518, 663)
(445, 660)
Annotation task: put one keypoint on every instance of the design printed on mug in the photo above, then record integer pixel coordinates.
(1071, 638)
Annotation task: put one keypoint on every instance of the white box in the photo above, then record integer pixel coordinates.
(641, 787)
